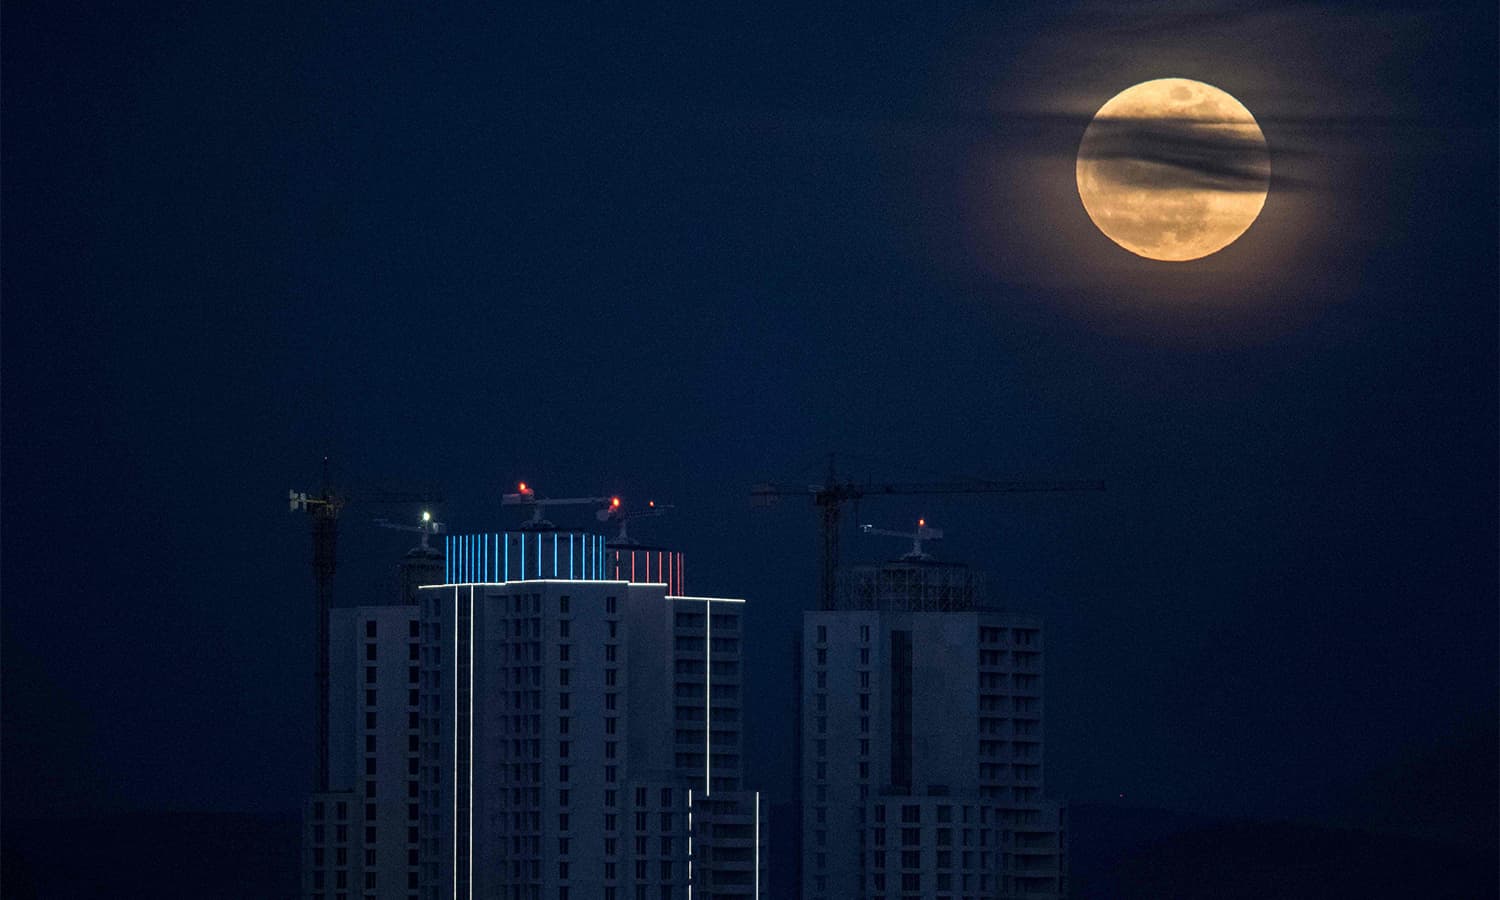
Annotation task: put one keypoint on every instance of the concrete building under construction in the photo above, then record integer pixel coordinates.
(922, 743)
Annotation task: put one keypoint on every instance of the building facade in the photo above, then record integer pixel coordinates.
(360, 837)
(922, 744)
(527, 728)
(580, 737)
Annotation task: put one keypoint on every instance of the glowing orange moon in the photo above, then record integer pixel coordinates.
(1173, 169)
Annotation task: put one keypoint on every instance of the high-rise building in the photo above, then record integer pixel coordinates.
(527, 725)
(360, 837)
(921, 743)
(580, 736)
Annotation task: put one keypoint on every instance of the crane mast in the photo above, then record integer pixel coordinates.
(324, 508)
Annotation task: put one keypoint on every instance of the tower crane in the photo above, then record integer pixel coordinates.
(834, 492)
(924, 532)
(525, 496)
(617, 513)
(426, 528)
(324, 508)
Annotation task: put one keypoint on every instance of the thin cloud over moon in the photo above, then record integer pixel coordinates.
(1173, 153)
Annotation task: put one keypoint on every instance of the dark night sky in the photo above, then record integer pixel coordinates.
(672, 255)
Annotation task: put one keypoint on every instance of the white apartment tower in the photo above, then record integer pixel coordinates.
(360, 838)
(921, 733)
(580, 736)
(528, 725)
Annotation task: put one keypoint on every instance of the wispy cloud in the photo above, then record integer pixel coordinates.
(1162, 153)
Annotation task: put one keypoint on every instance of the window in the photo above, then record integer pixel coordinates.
(562, 605)
(370, 650)
(370, 628)
(563, 651)
(563, 629)
(609, 605)
(822, 634)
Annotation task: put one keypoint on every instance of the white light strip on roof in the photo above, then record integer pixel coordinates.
(714, 599)
(428, 587)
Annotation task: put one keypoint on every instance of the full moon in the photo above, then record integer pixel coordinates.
(1173, 169)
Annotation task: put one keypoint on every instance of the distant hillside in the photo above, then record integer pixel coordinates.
(1117, 854)
(1133, 854)
(157, 855)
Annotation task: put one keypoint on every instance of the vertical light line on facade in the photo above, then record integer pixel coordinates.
(455, 743)
(471, 742)
(690, 844)
(708, 697)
